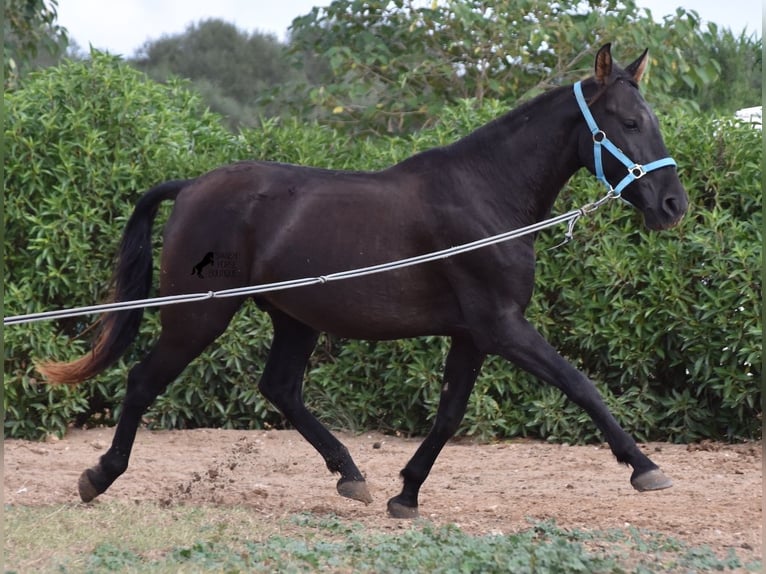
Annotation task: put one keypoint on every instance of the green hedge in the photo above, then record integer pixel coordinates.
(82, 142)
(666, 323)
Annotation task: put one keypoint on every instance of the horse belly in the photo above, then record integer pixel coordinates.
(371, 308)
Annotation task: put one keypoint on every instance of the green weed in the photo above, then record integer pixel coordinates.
(146, 538)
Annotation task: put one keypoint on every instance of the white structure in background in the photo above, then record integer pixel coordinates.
(751, 115)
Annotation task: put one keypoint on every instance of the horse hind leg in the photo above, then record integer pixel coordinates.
(186, 331)
(282, 384)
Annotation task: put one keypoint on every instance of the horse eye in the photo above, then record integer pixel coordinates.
(630, 124)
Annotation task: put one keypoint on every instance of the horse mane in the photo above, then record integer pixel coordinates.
(517, 116)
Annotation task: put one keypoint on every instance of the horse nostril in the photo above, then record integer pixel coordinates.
(673, 207)
(670, 204)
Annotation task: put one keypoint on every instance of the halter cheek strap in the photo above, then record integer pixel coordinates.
(635, 170)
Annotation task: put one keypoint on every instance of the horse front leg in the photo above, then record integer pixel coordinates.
(525, 347)
(462, 367)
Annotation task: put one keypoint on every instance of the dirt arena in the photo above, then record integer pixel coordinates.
(484, 488)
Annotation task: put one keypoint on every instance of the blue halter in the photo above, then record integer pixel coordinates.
(635, 170)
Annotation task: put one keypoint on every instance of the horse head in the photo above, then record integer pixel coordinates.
(625, 133)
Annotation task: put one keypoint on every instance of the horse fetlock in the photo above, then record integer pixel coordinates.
(355, 490)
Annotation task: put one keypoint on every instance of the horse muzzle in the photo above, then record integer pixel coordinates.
(669, 214)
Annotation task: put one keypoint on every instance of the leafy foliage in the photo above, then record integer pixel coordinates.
(739, 59)
(74, 167)
(393, 66)
(665, 323)
(28, 25)
(669, 322)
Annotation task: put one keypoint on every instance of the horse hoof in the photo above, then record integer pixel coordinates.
(355, 490)
(651, 480)
(399, 510)
(87, 491)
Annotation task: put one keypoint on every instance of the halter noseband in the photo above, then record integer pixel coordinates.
(635, 170)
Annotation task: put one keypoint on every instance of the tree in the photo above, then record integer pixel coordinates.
(231, 68)
(392, 65)
(740, 78)
(28, 26)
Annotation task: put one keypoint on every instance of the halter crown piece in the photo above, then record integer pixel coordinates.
(635, 170)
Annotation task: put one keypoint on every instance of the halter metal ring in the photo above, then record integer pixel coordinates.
(598, 136)
(637, 171)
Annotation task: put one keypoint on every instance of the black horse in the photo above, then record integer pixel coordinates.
(285, 221)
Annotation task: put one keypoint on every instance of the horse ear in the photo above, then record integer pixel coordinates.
(637, 68)
(604, 63)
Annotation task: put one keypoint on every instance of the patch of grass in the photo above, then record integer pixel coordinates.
(113, 537)
(643, 551)
(79, 538)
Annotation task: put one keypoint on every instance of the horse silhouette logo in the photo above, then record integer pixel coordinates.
(206, 260)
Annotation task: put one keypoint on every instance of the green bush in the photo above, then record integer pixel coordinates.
(667, 324)
(83, 141)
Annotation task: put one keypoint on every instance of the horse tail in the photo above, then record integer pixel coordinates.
(131, 279)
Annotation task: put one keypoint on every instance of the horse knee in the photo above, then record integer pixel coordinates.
(447, 423)
(268, 391)
(281, 396)
(451, 411)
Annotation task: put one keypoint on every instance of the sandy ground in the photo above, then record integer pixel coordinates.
(484, 488)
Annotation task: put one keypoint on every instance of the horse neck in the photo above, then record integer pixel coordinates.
(524, 158)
